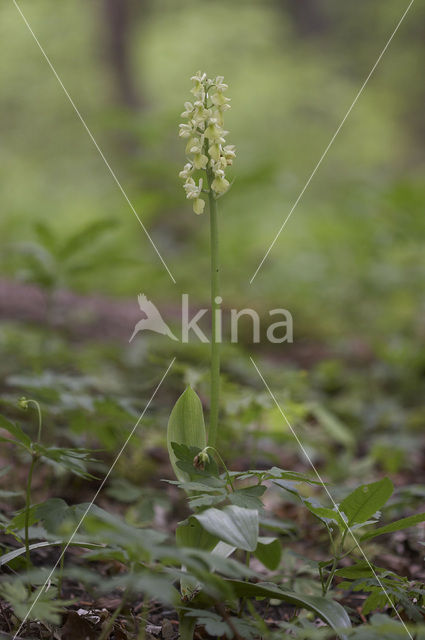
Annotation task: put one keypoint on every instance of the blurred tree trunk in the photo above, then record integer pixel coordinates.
(308, 16)
(118, 18)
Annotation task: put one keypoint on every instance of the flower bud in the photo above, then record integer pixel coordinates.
(201, 460)
(23, 403)
(199, 206)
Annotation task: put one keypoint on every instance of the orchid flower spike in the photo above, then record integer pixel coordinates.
(206, 147)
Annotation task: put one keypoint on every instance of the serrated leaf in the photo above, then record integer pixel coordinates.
(376, 600)
(16, 431)
(74, 460)
(232, 524)
(249, 497)
(325, 514)
(366, 500)
(186, 426)
(398, 525)
(360, 570)
(38, 605)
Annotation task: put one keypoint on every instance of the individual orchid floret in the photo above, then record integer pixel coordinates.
(188, 110)
(199, 78)
(220, 85)
(200, 161)
(187, 171)
(220, 185)
(220, 101)
(197, 145)
(229, 152)
(193, 192)
(186, 130)
(192, 189)
(213, 131)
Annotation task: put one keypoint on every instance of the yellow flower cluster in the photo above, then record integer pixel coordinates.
(206, 146)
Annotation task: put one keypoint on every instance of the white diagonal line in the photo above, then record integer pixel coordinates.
(332, 140)
(83, 122)
(102, 484)
(329, 495)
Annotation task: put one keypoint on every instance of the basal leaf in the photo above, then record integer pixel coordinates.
(186, 426)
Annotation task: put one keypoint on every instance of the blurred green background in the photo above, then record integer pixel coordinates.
(350, 260)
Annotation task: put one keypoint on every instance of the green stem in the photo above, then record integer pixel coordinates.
(215, 345)
(187, 626)
(336, 561)
(328, 582)
(27, 511)
(221, 461)
(61, 569)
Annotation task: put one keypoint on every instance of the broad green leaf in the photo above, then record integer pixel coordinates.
(328, 610)
(186, 426)
(223, 549)
(269, 552)
(363, 502)
(235, 525)
(404, 523)
(191, 534)
(11, 555)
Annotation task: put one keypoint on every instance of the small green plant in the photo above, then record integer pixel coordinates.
(209, 155)
(227, 508)
(226, 519)
(71, 459)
